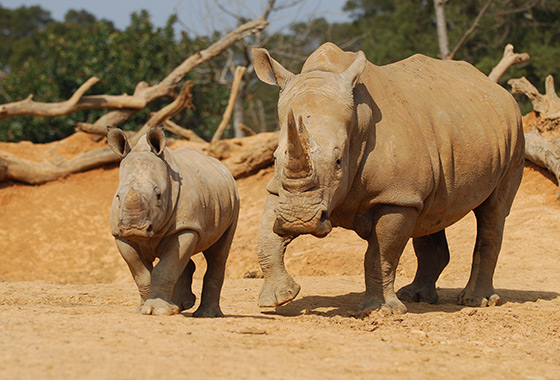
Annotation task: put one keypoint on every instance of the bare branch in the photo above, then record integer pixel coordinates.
(180, 103)
(77, 102)
(509, 59)
(239, 71)
(470, 30)
(548, 105)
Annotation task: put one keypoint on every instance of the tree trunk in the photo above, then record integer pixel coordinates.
(439, 6)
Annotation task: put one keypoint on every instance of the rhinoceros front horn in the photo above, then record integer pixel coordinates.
(298, 162)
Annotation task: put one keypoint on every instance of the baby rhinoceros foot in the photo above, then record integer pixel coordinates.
(277, 293)
(478, 299)
(418, 293)
(157, 306)
(393, 305)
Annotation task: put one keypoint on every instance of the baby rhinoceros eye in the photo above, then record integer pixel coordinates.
(158, 193)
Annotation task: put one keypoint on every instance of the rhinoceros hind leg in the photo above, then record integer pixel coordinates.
(490, 220)
(182, 294)
(432, 253)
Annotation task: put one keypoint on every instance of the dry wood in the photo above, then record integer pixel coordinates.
(152, 93)
(77, 102)
(544, 153)
(238, 76)
(186, 134)
(509, 59)
(245, 129)
(13, 168)
(547, 106)
(180, 103)
(474, 25)
(258, 154)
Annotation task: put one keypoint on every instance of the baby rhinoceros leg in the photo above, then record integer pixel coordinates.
(216, 257)
(171, 271)
(182, 294)
(432, 253)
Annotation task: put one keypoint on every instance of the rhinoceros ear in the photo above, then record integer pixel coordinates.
(352, 73)
(156, 139)
(268, 70)
(117, 141)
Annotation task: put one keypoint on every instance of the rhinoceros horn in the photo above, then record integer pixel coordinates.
(298, 162)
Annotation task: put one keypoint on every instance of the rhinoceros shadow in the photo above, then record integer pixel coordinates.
(346, 305)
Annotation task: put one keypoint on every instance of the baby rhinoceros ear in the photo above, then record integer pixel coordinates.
(156, 139)
(117, 141)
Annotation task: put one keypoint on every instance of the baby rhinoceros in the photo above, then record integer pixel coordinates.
(171, 205)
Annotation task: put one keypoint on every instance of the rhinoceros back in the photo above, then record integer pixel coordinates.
(208, 199)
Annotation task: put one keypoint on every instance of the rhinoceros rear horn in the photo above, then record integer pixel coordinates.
(117, 141)
(156, 139)
(298, 162)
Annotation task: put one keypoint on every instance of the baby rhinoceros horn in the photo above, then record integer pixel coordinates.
(298, 163)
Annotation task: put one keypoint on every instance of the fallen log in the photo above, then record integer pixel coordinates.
(544, 153)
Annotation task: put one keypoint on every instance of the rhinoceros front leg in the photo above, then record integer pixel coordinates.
(432, 253)
(175, 254)
(392, 229)
(139, 268)
(278, 287)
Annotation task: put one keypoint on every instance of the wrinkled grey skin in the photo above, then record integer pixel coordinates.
(171, 205)
(391, 152)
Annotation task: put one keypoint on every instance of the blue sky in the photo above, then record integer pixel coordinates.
(196, 16)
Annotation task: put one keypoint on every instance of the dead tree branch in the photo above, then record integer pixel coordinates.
(166, 86)
(544, 153)
(470, 30)
(186, 134)
(180, 103)
(77, 102)
(509, 59)
(547, 106)
(238, 76)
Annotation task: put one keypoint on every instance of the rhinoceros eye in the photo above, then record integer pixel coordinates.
(158, 193)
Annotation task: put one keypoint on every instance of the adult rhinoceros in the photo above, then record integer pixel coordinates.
(391, 152)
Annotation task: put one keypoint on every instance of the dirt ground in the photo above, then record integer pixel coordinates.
(67, 300)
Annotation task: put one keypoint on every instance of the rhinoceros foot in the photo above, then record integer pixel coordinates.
(208, 311)
(418, 293)
(157, 306)
(483, 299)
(277, 293)
(393, 305)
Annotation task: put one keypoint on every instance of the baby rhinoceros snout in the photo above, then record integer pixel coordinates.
(134, 221)
(135, 232)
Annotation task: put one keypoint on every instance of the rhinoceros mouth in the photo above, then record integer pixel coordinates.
(135, 233)
(318, 224)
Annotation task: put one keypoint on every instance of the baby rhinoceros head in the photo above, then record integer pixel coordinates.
(141, 204)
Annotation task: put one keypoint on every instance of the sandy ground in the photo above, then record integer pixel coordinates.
(67, 302)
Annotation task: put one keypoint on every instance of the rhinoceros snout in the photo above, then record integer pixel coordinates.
(319, 225)
(135, 233)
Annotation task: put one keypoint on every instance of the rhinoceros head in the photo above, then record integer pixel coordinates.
(142, 201)
(316, 113)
